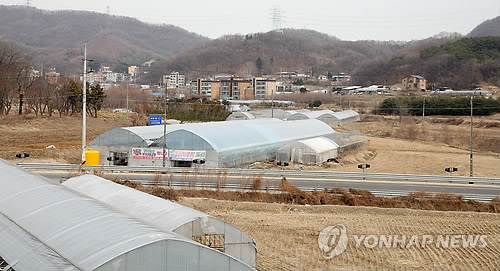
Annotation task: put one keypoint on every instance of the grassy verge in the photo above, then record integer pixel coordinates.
(338, 196)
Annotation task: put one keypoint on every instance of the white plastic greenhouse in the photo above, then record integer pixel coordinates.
(327, 116)
(261, 114)
(234, 143)
(346, 117)
(117, 143)
(240, 116)
(314, 151)
(168, 216)
(45, 226)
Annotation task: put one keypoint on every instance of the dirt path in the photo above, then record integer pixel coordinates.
(287, 236)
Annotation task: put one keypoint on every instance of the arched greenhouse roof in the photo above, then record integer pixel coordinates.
(310, 114)
(261, 114)
(244, 140)
(240, 116)
(319, 144)
(343, 116)
(163, 214)
(233, 135)
(137, 136)
(45, 226)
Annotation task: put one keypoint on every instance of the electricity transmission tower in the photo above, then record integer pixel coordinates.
(277, 19)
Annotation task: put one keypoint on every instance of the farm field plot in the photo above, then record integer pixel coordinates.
(34, 135)
(287, 235)
(407, 149)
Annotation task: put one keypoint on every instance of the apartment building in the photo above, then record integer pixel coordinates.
(174, 80)
(264, 88)
(203, 87)
(234, 88)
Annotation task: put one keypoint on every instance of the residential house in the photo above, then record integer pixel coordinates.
(323, 77)
(414, 82)
(341, 77)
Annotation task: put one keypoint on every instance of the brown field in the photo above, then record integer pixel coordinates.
(409, 146)
(287, 235)
(33, 135)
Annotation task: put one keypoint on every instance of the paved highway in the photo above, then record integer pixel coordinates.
(310, 181)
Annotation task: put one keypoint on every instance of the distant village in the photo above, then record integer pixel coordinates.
(266, 87)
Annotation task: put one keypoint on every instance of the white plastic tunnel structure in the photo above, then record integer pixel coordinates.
(234, 143)
(117, 142)
(45, 226)
(314, 151)
(240, 116)
(168, 216)
(327, 116)
(261, 114)
(346, 117)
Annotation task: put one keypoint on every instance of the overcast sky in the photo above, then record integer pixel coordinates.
(347, 20)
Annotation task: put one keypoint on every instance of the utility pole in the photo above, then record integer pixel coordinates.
(84, 102)
(471, 119)
(423, 112)
(272, 103)
(165, 128)
(127, 97)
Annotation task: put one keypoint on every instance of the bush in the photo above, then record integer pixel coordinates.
(453, 106)
(316, 103)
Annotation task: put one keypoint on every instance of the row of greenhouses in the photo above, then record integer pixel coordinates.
(329, 117)
(212, 144)
(89, 223)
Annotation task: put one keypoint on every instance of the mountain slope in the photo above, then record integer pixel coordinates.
(487, 28)
(56, 38)
(459, 64)
(297, 50)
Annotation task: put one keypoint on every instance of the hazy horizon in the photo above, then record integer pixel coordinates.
(354, 20)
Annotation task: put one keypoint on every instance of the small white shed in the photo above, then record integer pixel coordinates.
(314, 151)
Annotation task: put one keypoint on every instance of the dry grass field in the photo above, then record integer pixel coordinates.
(33, 135)
(287, 235)
(425, 148)
(409, 146)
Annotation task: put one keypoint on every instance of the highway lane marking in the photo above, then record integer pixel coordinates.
(246, 177)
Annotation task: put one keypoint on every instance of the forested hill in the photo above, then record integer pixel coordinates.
(289, 50)
(56, 38)
(487, 28)
(460, 64)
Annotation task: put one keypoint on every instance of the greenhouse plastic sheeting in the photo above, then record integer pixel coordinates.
(246, 141)
(164, 214)
(45, 226)
(261, 114)
(312, 151)
(140, 136)
(346, 117)
(328, 116)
